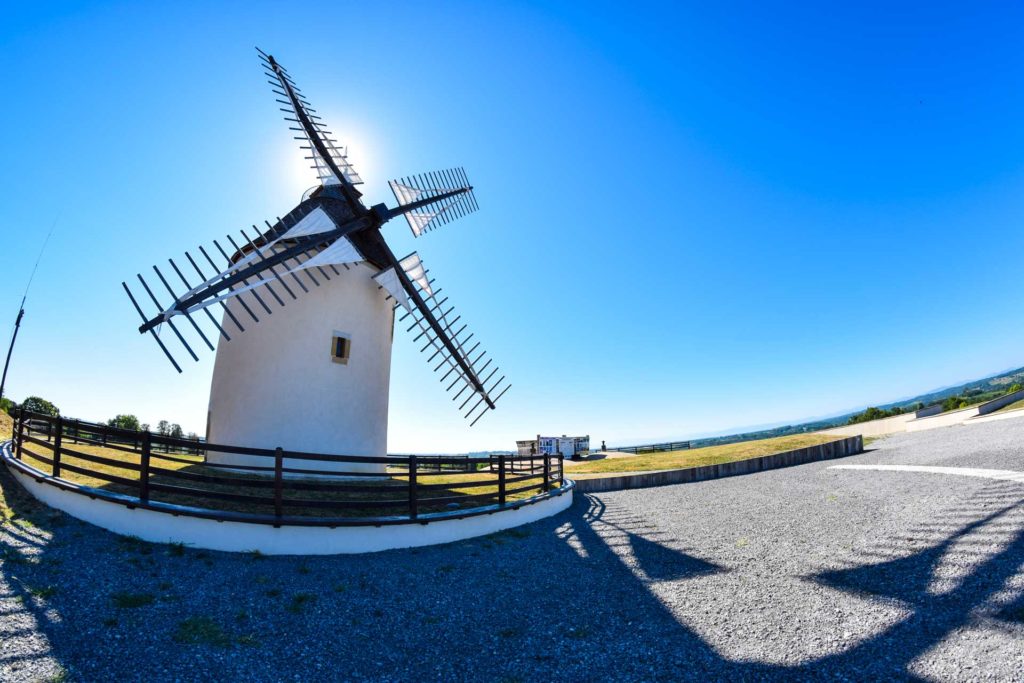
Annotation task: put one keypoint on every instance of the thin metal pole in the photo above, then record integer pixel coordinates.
(21, 309)
(10, 349)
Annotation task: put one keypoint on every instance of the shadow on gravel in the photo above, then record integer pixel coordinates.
(660, 563)
(24, 621)
(938, 610)
(565, 598)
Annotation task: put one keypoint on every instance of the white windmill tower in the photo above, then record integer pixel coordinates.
(314, 375)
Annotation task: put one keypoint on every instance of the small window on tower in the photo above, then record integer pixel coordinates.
(340, 347)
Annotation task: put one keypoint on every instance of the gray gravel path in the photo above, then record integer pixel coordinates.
(797, 574)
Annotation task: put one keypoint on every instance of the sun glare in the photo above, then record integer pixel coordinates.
(297, 172)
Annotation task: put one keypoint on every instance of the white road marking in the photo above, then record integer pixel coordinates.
(1002, 475)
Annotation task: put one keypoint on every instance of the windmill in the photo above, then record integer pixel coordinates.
(314, 375)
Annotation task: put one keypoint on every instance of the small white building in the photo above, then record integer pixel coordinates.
(568, 446)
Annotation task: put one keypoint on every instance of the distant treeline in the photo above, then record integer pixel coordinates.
(968, 397)
(873, 413)
(37, 404)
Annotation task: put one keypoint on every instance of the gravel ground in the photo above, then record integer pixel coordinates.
(801, 573)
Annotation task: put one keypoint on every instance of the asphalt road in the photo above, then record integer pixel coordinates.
(810, 572)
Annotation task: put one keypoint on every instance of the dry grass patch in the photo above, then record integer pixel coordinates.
(1013, 406)
(6, 426)
(697, 457)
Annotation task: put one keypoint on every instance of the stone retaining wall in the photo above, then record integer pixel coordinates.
(826, 451)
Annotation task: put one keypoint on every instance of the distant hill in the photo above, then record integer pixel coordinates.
(975, 389)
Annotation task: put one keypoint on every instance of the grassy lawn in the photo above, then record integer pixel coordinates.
(1013, 406)
(696, 457)
(480, 483)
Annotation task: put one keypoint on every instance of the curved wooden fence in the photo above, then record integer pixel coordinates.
(151, 471)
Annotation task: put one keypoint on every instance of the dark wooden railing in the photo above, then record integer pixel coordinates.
(654, 447)
(278, 487)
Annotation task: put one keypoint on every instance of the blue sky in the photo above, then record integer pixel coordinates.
(693, 218)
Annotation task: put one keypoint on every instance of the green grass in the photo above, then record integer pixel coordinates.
(44, 593)
(201, 631)
(300, 601)
(125, 600)
(61, 676)
(696, 457)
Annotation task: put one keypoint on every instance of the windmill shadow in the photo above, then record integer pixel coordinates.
(655, 558)
(661, 563)
(935, 614)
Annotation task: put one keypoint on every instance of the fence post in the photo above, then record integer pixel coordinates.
(501, 480)
(20, 431)
(413, 502)
(547, 473)
(278, 484)
(561, 471)
(56, 446)
(144, 468)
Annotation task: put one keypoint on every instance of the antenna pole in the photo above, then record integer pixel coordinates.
(21, 309)
(10, 349)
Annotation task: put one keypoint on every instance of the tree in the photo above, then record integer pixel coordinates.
(7, 405)
(163, 427)
(1014, 387)
(954, 403)
(35, 404)
(124, 422)
(175, 431)
(144, 427)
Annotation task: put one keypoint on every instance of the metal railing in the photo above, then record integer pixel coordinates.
(154, 471)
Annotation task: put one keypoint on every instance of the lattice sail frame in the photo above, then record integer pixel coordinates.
(435, 186)
(295, 106)
(318, 238)
(441, 352)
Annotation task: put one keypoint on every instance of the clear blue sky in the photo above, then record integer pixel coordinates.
(693, 218)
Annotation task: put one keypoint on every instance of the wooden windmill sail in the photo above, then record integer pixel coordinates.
(248, 277)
